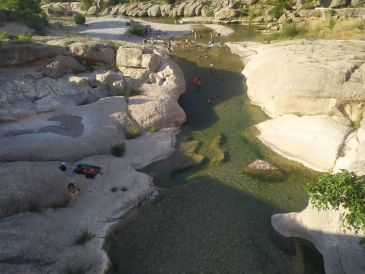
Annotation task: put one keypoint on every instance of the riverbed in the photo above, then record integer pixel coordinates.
(212, 218)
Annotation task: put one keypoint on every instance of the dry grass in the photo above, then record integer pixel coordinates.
(342, 29)
(324, 28)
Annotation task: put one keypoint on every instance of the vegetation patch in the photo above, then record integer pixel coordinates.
(279, 6)
(217, 155)
(138, 30)
(153, 129)
(114, 189)
(84, 237)
(79, 19)
(341, 189)
(133, 132)
(29, 11)
(86, 4)
(124, 189)
(118, 150)
(20, 38)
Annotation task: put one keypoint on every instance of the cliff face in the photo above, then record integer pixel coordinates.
(314, 92)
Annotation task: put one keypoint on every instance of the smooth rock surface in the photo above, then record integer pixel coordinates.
(341, 251)
(324, 76)
(314, 141)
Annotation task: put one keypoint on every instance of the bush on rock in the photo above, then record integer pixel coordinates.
(79, 19)
(341, 189)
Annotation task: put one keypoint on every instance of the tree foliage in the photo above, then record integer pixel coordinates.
(341, 189)
(29, 10)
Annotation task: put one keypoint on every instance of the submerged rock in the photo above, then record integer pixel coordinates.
(264, 170)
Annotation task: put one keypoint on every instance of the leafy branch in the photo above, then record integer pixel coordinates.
(341, 189)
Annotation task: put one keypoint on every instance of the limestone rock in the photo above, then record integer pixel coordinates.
(94, 10)
(20, 54)
(325, 75)
(151, 62)
(129, 57)
(353, 153)
(115, 81)
(94, 51)
(225, 14)
(341, 251)
(62, 65)
(180, 9)
(155, 113)
(154, 11)
(305, 139)
(114, 10)
(264, 170)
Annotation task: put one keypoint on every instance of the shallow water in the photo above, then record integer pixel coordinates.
(213, 218)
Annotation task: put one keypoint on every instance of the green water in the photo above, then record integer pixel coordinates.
(212, 218)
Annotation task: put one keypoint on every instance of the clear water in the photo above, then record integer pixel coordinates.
(212, 218)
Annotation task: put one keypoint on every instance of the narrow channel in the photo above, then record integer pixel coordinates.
(212, 218)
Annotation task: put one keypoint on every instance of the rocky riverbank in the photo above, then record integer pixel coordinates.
(73, 100)
(313, 91)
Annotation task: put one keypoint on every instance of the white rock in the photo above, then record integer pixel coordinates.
(312, 140)
(341, 251)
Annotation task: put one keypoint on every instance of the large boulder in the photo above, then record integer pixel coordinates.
(20, 54)
(154, 11)
(129, 57)
(180, 9)
(62, 65)
(305, 139)
(94, 10)
(158, 113)
(94, 51)
(113, 80)
(226, 13)
(325, 76)
(151, 62)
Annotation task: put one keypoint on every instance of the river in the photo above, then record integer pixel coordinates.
(212, 218)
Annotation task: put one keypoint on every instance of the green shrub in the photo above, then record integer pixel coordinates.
(133, 132)
(331, 23)
(21, 5)
(210, 13)
(124, 189)
(4, 36)
(153, 129)
(279, 7)
(22, 37)
(170, 1)
(341, 189)
(243, 11)
(79, 19)
(253, 13)
(35, 21)
(292, 30)
(114, 189)
(86, 4)
(138, 30)
(118, 150)
(84, 237)
(29, 11)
